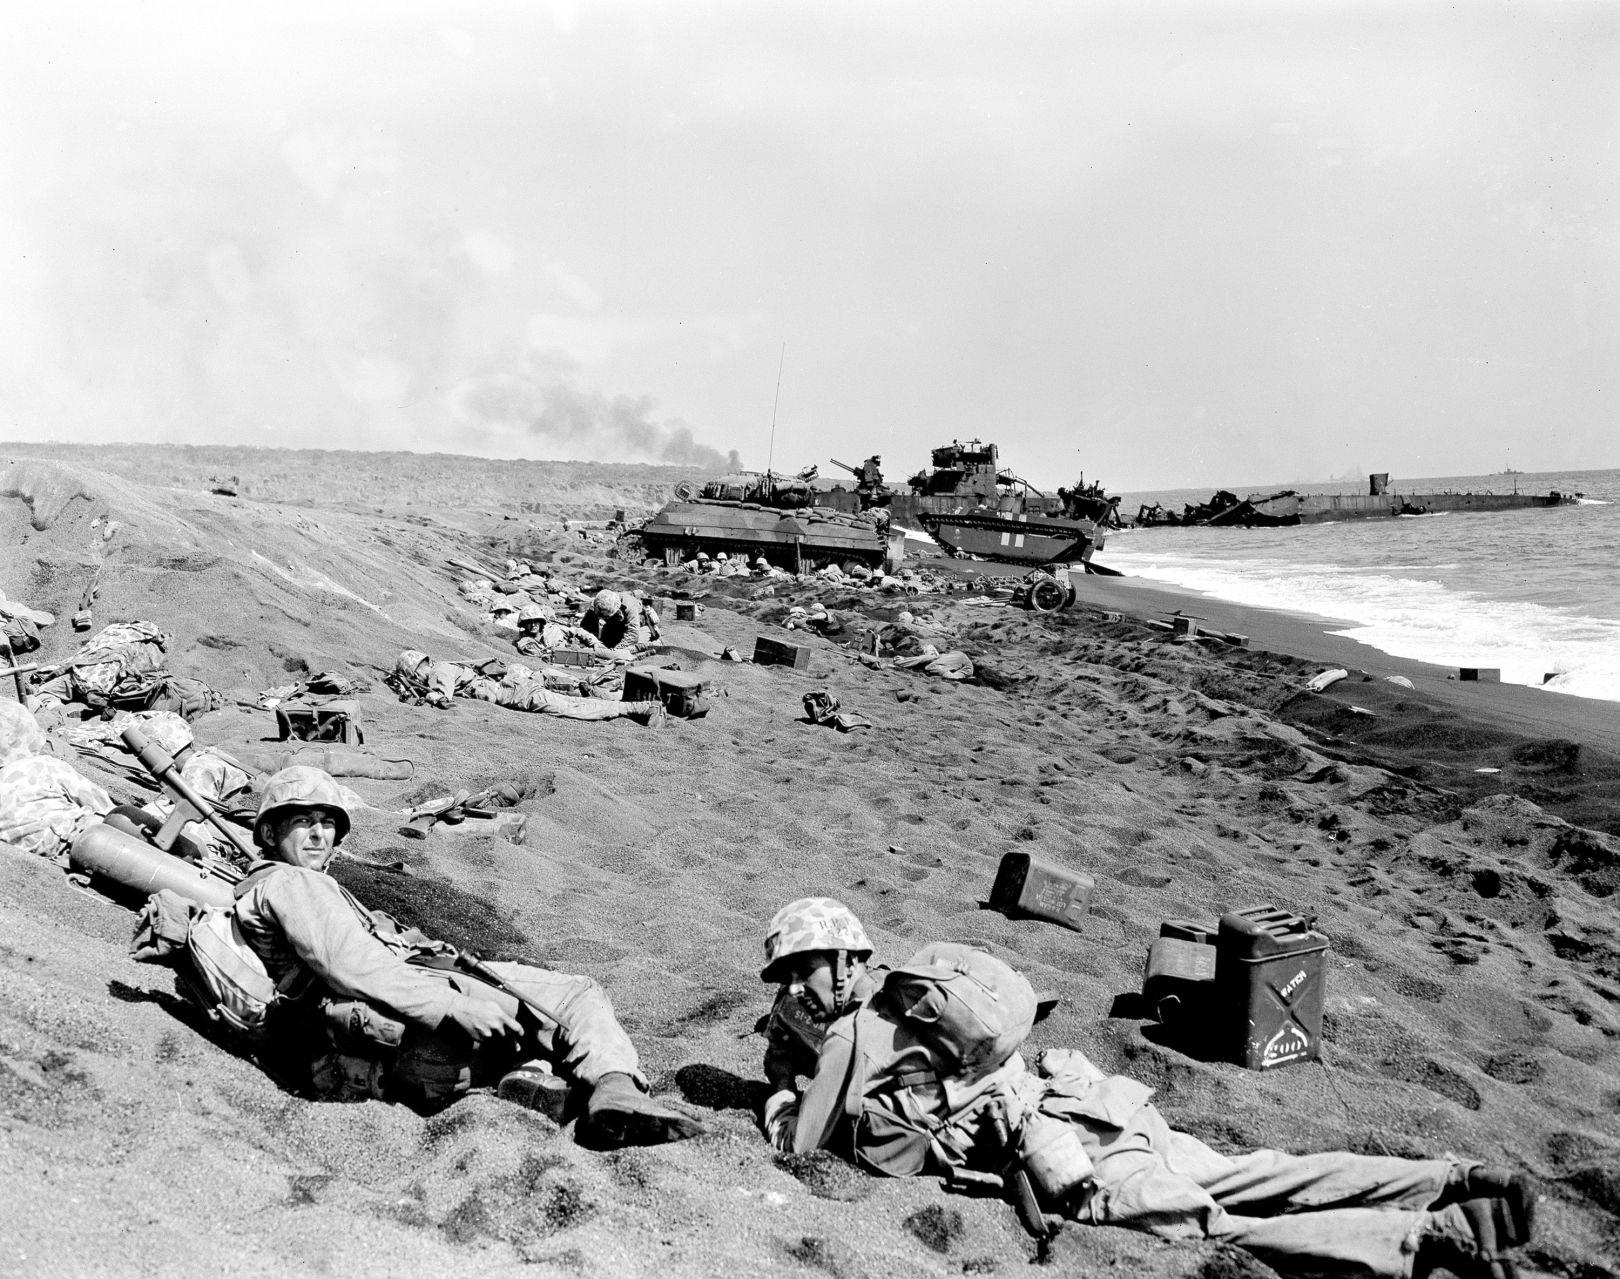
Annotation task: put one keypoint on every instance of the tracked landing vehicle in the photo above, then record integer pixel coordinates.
(799, 523)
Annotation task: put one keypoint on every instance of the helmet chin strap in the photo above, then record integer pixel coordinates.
(842, 979)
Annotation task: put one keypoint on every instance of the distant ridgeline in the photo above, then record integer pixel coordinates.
(586, 490)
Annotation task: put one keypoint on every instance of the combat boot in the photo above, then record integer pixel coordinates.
(652, 714)
(1492, 1181)
(620, 1114)
(1469, 1239)
(533, 1085)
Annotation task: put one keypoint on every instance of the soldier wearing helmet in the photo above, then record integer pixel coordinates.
(1091, 1147)
(382, 1021)
(816, 951)
(619, 622)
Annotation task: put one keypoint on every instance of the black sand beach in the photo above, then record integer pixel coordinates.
(1473, 979)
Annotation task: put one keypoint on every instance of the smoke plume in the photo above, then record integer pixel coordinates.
(585, 424)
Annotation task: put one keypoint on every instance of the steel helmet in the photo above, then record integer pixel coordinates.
(812, 923)
(721, 555)
(532, 613)
(606, 603)
(299, 787)
(703, 557)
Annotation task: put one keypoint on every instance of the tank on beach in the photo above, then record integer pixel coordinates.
(966, 502)
(799, 523)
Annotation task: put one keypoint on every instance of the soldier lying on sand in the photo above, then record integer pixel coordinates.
(890, 1092)
(44, 802)
(386, 1012)
(416, 675)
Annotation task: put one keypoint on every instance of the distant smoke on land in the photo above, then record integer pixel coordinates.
(587, 423)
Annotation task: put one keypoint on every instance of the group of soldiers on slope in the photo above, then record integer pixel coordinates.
(373, 1010)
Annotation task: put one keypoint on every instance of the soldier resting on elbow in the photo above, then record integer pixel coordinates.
(892, 1093)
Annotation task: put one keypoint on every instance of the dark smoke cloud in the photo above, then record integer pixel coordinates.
(589, 423)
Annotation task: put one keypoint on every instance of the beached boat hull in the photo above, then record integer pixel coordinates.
(1282, 509)
(1012, 539)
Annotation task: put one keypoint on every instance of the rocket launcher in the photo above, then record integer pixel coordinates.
(189, 806)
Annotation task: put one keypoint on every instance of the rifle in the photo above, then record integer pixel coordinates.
(470, 963)
(189, 806)
(453, 809)
(1018, 1186)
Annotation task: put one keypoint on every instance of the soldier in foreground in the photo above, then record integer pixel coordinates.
(390, 1015)
(898, 1091)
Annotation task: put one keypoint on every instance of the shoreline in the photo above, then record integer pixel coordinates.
(1589, 721)
(1470, 999)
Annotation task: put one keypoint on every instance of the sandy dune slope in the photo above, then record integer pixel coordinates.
(1474, 980)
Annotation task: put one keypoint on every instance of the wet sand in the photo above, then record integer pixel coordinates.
(1473, 981)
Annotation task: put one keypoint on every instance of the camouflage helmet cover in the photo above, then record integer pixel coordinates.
(532, 612)
(606, 603)
(296, 788)
(169, 731)
(20, 733)
(812, 923)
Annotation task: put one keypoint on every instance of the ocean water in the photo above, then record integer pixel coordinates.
(1535, 593)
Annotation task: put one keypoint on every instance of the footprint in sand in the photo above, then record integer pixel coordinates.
(1438, 1079)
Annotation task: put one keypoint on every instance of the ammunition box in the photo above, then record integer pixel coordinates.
(1178, 981)
(686, 612)
(769, 652)
(681, 692)
(1026, 886)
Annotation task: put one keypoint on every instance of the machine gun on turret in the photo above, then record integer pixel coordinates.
(869, 485)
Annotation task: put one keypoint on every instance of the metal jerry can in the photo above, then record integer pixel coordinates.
(1028, 886)
(1269, 978)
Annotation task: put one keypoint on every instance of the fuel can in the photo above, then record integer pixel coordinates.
(1028, 886)
(1270, 971)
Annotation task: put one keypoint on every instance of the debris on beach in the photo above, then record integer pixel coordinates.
(1464, 868)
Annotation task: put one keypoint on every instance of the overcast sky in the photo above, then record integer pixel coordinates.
(1163, 243)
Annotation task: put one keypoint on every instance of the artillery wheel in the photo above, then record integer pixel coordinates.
(1047, 596)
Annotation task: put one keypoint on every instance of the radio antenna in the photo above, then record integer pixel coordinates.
(771, 455)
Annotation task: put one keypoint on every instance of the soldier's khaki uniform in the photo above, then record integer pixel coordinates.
(620, 632)
(518, 690)
(301, 921)
(1329, 1214)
